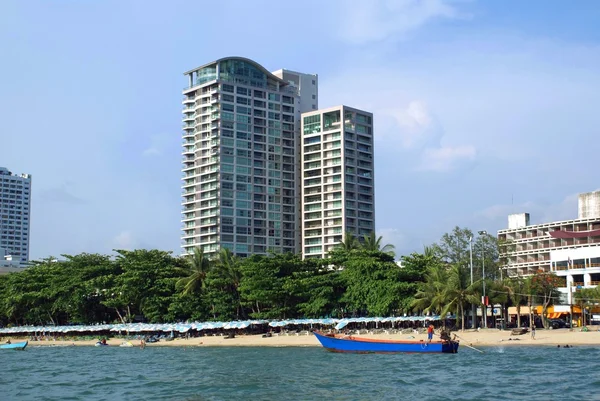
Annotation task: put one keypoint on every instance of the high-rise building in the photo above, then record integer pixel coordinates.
(308, 100)
(240, 156)
(308, 89)
(337, 174)
(15, 211)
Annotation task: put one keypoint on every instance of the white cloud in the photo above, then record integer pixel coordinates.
(416, 127)
(62, 194)
(151, 152)
(124, 240)
(446, 158)
(376, 20)
(158, 143)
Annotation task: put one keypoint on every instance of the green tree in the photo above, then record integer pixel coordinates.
(196, 269)
(546, 286)
(453, 247)
(413, 275)
(431, 296)
(349, 243)
(227, 268)
(517, 288)
(372, 283)
(319, 290)
(372, 243)
(145, 285)
(459, 292)
(267, 288)
(586, 297)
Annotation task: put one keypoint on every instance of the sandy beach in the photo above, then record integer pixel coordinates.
(489, 337)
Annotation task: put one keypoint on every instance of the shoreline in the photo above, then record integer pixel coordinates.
(484, 337)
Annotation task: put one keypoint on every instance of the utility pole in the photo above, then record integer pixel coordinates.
(473, 313)
(483, 276)
(484, 308)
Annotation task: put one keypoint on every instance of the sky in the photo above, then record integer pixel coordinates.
(481, 109)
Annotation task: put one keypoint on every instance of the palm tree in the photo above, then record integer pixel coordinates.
(228, 267)
(459, 292)
(373, 243)
(430, 296)
(531, 291)
(584, 298)
(429, 251)
(516, 291)
(197, 269)
(349, 243)
(498, 292)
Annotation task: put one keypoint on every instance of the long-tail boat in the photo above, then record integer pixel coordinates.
(345, 343)
(18, 346)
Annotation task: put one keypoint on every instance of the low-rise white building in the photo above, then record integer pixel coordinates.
(569, 248)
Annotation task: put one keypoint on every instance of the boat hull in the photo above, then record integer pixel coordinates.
(367, 346)
(17, 346)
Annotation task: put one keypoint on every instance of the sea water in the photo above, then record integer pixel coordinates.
(298, 373)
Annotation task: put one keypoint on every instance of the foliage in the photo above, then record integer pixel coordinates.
(358, 278)
(545, 286)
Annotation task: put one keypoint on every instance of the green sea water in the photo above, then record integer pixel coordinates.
(297, 373)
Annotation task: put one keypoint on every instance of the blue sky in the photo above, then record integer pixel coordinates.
(481, 108)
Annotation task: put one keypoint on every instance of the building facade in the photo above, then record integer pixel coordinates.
(240, 157)
(307, 86)
(337, 175)
(569, 248)
(15, 213)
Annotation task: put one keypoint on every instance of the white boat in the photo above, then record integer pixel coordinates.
(126, 344)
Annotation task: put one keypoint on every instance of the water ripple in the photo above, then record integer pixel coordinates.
(202, 374)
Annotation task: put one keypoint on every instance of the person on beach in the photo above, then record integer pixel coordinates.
(533, 331)
(430, 332)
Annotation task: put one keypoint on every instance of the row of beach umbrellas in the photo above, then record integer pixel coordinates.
(199, 326)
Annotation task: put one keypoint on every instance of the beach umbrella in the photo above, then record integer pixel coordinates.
(341, 324)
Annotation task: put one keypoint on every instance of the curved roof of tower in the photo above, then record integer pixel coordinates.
(254, 63)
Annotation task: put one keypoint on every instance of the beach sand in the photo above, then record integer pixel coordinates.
(485, 337)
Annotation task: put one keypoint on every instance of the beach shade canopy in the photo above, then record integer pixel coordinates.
(199, 326)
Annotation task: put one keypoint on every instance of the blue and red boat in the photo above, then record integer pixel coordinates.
(344, 343)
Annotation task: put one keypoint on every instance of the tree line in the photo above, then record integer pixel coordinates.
(359, 278)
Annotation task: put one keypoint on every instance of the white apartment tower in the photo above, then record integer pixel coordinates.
(240, 155)
(15, 211)
(337, 178)
(308, 89)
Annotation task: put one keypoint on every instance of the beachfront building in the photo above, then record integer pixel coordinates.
(15, 212)
(240, 157)
(569, 248)
(337, 178)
